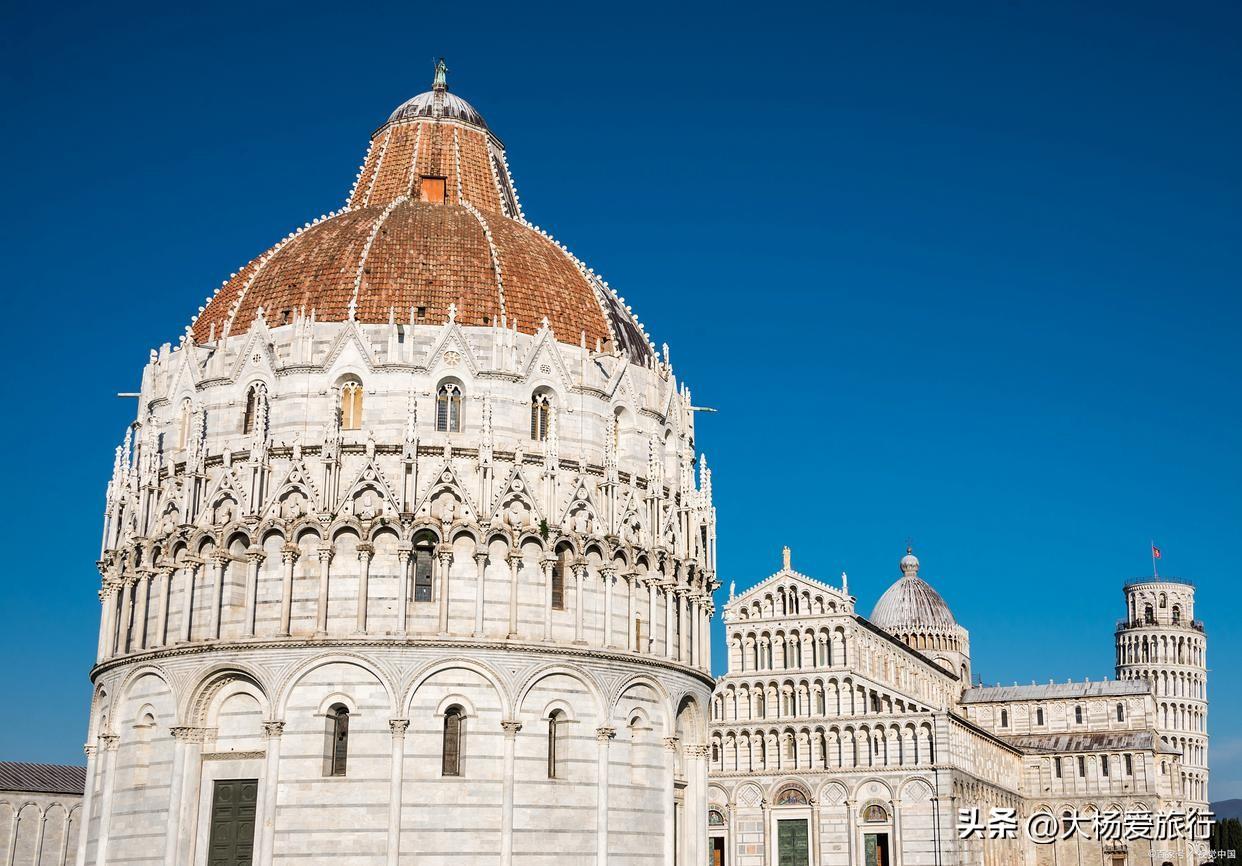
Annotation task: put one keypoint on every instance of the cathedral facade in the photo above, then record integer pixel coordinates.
(843, 740)
(407, 555)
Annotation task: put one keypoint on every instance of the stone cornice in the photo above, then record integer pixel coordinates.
(353, 642)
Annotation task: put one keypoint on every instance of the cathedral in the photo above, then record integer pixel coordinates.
(843, 740)
(409, 557)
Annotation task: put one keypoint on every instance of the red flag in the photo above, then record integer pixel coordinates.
(1155, 552)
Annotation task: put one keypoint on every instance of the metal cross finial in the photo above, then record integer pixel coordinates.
(440, 82)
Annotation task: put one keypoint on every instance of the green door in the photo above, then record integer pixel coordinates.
(792, 847)
(875, 849)
(232, 822)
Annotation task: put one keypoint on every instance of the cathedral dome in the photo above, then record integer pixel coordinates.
(911, 604)
(433, 230)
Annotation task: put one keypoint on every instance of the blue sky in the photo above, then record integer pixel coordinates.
(967, 275)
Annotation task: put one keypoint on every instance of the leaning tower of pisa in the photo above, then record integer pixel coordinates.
(1161, 641)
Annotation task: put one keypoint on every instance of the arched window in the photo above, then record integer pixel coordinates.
(556, 732)
(1039, 715)
(351, 405)
(183, 429)
(1121, 712)
(1078, 715)
(454, 729)
(448, 408)
(1149, 616)
(1056, 767)
(1004, 723)
(559, 568)
(424, 558)
(251, 413)
(540, 415)
(1177, 614)
(1164, 601)
(338, 740)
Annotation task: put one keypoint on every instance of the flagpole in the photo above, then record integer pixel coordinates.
(1154, 572)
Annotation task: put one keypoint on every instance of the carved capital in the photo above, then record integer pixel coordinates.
(290, 553)
(89, 750)
(366, 550)
(398, 726)
(605, 733)
(325, 553)
(273, 729)
(672, 743)
(480, 557)
(188, 734)
(256, 554)
(109, 742)
(511, 727)
(696, 750)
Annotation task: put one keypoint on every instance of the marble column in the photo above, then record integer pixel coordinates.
(696, 805)
(631, 639)
(107, 604)
(403, 588)
(288, 557)
(127, 615)
(898, 856)
(445, 559)
(366, 552)
(108, 744)
(395, 787)
(851, 843)
(609, 576)
(88, 798)
(671, 745)
(183, 797)
(548, 565)
(816, 852)
(325, 566)
(254, 561)
(515, 563)
(603, 736)
(651, 618)
(769, 832)
(161, 614)
(683, 636)
(511, 729)
(143, 595)
(580, 571)
(220, 563)
(480, 565)
(190, 567)
(670, 631)
(271, 785)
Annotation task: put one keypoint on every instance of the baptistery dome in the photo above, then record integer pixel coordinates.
(432, 221)
(407, 553)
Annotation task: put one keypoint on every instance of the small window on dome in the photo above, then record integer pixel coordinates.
(431, 189)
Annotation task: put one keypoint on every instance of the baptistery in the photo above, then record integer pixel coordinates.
(407, 556)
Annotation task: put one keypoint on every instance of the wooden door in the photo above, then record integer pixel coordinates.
(232, 822)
